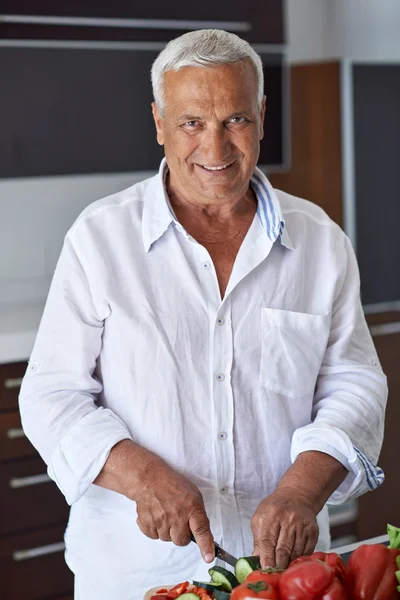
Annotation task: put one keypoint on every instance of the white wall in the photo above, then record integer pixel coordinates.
(365, 29)
(35, 214)
(357, 29)
(307, 30)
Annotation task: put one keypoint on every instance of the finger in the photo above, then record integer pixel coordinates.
(164, 535)
(265, 544)
(180, 536)
(200, 527)
(311, 540)
(147, 530)
(299, 545)
(284, 547)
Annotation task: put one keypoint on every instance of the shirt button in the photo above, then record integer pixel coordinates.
(206, 265)
(224, 489)
(220, 377)
(220, 321)
(223, 435)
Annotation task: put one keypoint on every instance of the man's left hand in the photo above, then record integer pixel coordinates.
(284, 527)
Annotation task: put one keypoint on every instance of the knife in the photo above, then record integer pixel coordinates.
(221, 553)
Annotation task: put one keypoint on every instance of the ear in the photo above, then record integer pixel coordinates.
(262, 116)
(159, 122)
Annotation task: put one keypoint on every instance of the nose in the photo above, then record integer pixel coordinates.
(216, 146)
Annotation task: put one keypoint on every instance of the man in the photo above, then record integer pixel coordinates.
(203, 364)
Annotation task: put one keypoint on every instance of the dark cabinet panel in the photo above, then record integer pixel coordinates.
(28, 498)
(380, 507)
(13, 443)
(32, 566)
(10, 374)
(72, 111)
(376, 92)
(253, 20)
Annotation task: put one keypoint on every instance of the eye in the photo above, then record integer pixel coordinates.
(238, 120)
(191, 124)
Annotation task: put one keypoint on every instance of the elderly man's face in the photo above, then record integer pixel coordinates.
(211, 130)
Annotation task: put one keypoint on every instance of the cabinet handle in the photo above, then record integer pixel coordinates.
(385, 329)
(126, 23)
(19, 482)
(14, 434)
(19, 555)
(13, 382)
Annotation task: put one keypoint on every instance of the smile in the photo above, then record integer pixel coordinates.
(217, 168)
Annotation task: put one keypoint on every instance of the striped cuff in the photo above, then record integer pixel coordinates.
(373, 474)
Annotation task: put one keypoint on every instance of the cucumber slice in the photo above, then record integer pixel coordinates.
(189, 596)
(245, 566)
(220, 595)
(223, 576)
(210, 586)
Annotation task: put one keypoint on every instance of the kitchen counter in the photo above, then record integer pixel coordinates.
(19, 323)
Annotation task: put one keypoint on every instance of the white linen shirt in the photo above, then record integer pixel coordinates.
(136, 343)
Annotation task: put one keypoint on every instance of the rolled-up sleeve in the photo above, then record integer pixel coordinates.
(58, 395)
(350, 395)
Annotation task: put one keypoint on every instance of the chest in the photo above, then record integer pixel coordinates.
(223, 256)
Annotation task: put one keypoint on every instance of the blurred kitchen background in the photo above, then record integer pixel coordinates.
(76, 125)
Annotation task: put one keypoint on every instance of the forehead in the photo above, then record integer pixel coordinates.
(202, 86)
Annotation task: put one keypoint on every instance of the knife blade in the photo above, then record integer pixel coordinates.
(221, 553)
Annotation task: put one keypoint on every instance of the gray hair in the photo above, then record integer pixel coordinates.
(203, 48)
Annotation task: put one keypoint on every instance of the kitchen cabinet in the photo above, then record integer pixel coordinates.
(382, 506)
(33, 511)
(345, 127)
(256, 21)
(32, 566)
(88, 110)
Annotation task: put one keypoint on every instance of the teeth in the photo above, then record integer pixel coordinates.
(216, 168)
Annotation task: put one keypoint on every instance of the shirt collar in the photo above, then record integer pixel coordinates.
(158, 213)
(269, 210)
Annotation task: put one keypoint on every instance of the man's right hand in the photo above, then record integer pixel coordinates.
(169, 506)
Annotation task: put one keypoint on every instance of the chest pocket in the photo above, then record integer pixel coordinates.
(293, 346)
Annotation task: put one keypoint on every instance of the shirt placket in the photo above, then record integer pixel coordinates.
(220, 365)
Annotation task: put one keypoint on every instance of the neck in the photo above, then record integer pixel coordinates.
(223, 211)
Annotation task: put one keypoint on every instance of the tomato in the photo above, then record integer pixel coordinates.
(333, 560)
(255, 589)
(270, 576)
(178, 590)
(201, 592)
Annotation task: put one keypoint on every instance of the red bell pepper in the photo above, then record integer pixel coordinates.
(310, 580)
(333, 560)
(371, 573)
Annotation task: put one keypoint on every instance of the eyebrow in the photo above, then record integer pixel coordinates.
(189, 117)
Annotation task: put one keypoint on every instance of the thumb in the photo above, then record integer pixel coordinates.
(200, 527)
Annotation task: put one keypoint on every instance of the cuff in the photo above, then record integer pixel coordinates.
(83, 451)
(363, 475)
